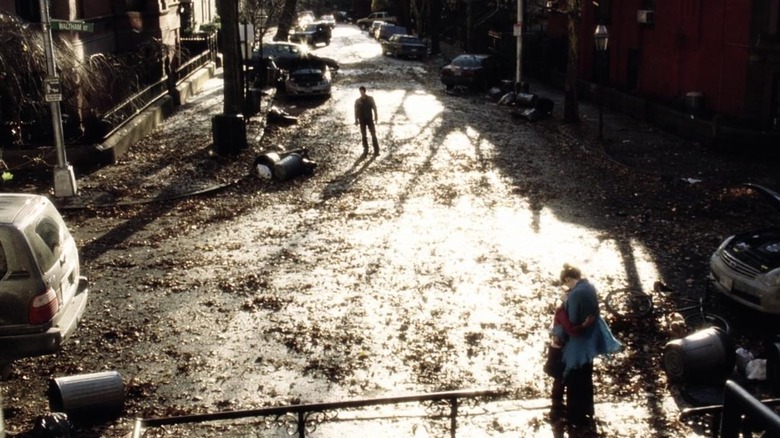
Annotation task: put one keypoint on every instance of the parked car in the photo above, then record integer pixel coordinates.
(471, 70)
(746, 266)
(343, 17)
(389, 30)
(328, 20)
(287, 56)
(42, 293)
(305, 18)
(374, 28)
(404, 45)
(312, 34)
(309, 80)
(367, 22)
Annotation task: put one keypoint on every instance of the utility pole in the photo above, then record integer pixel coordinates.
(64, 180)
(519, 34)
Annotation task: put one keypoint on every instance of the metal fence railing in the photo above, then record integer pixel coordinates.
(304, 418)
(197, 50)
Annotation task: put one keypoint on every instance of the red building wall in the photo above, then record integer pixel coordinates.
(692, 46)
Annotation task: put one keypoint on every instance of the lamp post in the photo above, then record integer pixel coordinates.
(601, 37)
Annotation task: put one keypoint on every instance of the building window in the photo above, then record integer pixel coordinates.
(774, 18)
(29, 10)
(135, 5)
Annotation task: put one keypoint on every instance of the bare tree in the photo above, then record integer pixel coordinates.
(286, 20)
(23, 109)
(571, 112)
(262, 14)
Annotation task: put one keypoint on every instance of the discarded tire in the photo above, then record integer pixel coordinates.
(88, 396)
(706, 355)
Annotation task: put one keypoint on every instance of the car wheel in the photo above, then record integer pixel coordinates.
(449, 86)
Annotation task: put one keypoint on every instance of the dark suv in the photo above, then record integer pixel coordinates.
(312, 34)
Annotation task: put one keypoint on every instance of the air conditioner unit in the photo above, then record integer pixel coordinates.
(645, 16)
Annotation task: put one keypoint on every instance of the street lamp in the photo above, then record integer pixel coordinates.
(601, 36)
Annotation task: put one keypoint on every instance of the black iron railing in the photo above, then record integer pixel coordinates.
(739, 411)
(117, 116)
(303, 418)
(744, 413)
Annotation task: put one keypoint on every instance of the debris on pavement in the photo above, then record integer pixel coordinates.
(284, 165)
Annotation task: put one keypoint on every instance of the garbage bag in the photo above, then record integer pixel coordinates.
(756, 369)
(55, 425)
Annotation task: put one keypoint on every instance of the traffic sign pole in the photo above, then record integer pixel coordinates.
(64, 180)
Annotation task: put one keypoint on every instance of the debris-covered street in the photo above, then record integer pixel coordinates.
(431, 266)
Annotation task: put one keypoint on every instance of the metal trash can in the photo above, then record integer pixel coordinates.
(264, 165)
(88, 396)
(694, 103)
(289, 167)
(705, 355)
(229, 133)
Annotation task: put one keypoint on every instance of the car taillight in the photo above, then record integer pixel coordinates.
(43, 307)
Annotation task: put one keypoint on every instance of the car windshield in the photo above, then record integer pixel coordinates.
(466, 61)
(409, 40)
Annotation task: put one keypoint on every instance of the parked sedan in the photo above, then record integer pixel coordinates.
(373, 30)
(404, 45)
(746, 266)
(329, 20)
(42, 294)
(470, 70)
(288, 56)
(309, 80)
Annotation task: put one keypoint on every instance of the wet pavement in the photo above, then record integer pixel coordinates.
(428, 267)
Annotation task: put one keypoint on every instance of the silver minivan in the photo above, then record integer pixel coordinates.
(42, 294)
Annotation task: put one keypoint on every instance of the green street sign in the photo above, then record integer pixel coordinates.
(76, 26)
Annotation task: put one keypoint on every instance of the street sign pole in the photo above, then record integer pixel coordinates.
(519, 54)
(64, 180)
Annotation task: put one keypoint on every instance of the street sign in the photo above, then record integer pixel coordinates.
(77, 26)
(52, 89)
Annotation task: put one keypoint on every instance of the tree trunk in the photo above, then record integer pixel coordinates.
(434, 28)
(234, 95)
(286, 20)
(571, 111)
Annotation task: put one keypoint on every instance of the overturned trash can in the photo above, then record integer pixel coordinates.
(264, 165)
(293, 165)
(707, 355)
(88, 396)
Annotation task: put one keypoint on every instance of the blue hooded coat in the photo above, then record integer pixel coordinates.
(594, 340)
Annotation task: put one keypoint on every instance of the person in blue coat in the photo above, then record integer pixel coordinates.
(580, 350)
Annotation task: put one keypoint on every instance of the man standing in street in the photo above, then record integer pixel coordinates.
(366, 116)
